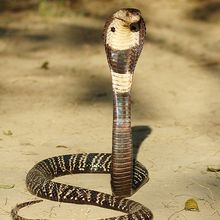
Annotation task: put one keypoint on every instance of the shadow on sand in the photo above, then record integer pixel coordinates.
(205, 12)
(139, 134)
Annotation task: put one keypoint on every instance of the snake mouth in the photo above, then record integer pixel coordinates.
(121, 19)
(126, 23)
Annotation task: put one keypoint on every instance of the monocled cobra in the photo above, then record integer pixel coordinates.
(124, 35)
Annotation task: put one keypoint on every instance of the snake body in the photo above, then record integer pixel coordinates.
(124, 35)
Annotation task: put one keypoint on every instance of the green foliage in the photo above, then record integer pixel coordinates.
(53, 8)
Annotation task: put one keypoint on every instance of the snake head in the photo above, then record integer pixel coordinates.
(130, 17)
(125, 29)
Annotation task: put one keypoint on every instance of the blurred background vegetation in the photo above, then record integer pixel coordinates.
(99, 8)
(61, 7)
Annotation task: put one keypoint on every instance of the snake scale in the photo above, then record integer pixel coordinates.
(124, 35)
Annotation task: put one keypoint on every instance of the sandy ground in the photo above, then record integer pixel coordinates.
(67, 108)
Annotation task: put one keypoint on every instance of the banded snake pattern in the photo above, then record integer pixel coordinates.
(124, 35)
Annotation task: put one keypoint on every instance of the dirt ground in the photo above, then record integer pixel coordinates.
(66, 107)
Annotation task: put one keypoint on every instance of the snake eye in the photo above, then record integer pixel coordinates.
(112, 29)
(135, 27)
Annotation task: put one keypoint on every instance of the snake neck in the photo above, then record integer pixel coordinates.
(122, 159)
(121, 83)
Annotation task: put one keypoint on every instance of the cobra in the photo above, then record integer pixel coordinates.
(124, 35)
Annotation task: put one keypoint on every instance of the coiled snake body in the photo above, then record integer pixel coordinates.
(124, 35)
